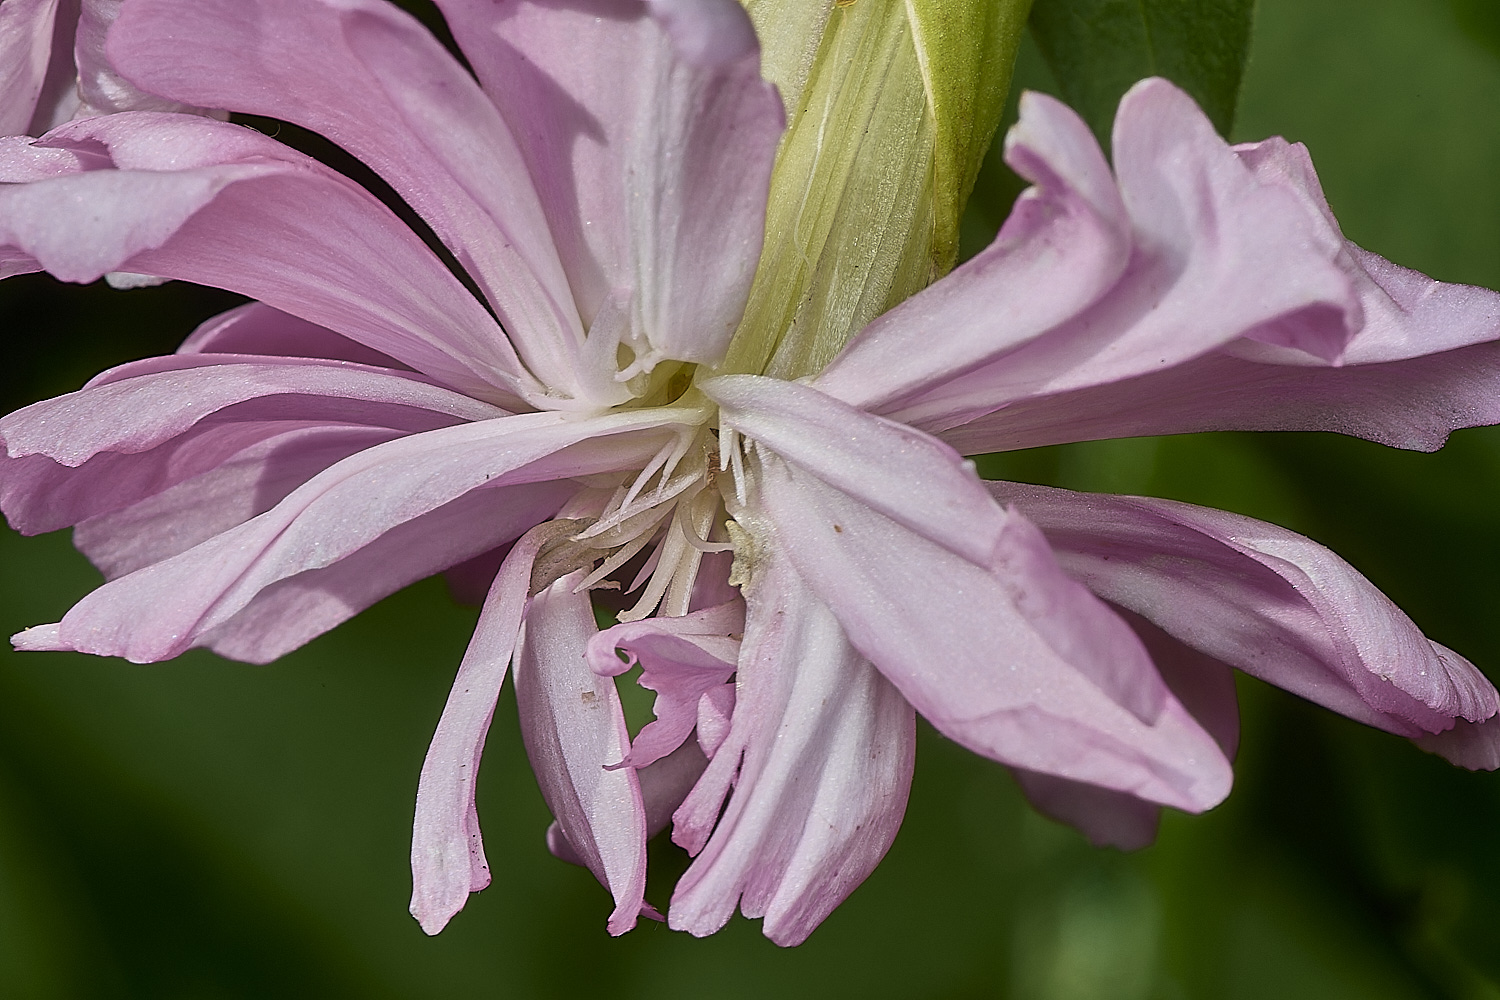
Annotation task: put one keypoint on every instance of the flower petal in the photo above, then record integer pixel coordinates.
(447, 851)
(184, 197)
(574, 727)
(128, 436)
(1065, 244)
(1474, 745)
(159, 611)
(298, 609)
(256, 328)
(928, 490)
(848, 449)
(1263, 599)
(963, 644)
(371, 78)
(1205, 687)
(820, 753)
(1412, 404)
(1218, 256)
(101, 88)
(681, 659)
(1421, 364)
(1106, 817)
(26, 29)
(651, 135)
(251, 467)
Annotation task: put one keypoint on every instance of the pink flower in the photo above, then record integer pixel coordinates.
(368, 422)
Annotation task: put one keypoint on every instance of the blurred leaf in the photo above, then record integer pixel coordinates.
(1099, 48)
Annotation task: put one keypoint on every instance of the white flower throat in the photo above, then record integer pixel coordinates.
(674, 503)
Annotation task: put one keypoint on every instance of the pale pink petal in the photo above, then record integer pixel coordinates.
(251, 467)
(447, 851)
(851, 451)
(184, 197)
(159, 611)
(1405, 404)
(964, 644)
(1263, 599)
(256, 328)
(664, 785)
(932, 494)
(1406, 314)
(1205, 687)
(1420, 365)
(372, 79)
(1066, 243)
(651, 135)
(294, 611)
(1218, 256)
(137, 406)
(681, 659)
(26, 31)
(574, 726)
(128, 436)
(820, 754)
(715, 715)
(1474, 745)
(101, 89)
(1106, 817)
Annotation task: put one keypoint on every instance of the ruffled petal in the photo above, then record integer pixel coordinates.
(651, 136)
(574, 727)
(1218, 255)
(298, 609)
(1005, 659)
(1422, 363)
(1106, 817)
(371, 78)
(1412, 404)
(1262, 599)
(144, 427)
(819, 754)
(184, 197)
(159, 611)
(250, 468)
(681, 659)
(1474, 745)
(447, 851)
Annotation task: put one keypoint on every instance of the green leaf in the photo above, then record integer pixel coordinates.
(890, 108)
(1099, 48)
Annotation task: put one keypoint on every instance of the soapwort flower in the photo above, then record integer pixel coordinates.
(808, 558)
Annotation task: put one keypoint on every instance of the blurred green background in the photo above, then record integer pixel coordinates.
(208, 829)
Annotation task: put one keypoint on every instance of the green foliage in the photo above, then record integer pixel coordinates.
(1098, 48)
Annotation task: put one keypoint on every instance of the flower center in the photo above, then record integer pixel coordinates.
(672, 508)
